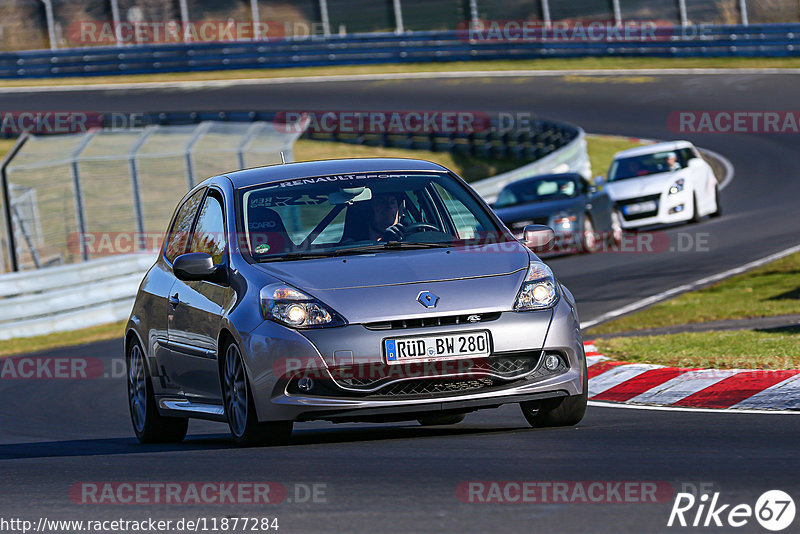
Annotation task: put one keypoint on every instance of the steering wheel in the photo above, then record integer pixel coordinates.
(420, 227)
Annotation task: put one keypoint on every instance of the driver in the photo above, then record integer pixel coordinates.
(672, 162)
(384, 221)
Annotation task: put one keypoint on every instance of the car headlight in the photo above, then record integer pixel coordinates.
(564, 219)
(539, 289)
(291, 307)
(677, 187)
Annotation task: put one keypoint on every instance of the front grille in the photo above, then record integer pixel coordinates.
(425, 322)
(628, 201)
(430, 387)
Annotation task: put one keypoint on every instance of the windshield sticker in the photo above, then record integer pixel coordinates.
(287, 200)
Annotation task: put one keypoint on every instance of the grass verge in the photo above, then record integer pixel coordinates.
(739, 349)
(770, 290)
(28, 345)
(498, 65)
(600, 149)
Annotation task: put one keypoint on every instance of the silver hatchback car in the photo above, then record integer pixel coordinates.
(347, 290)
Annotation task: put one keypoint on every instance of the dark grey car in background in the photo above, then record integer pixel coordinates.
(583, 217)
(347, 290)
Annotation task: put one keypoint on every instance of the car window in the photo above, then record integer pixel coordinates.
(182, 225)
(635, 166)
(333, 213)
(539, 190)
(209, 232)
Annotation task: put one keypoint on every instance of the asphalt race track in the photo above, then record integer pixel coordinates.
(405, 478)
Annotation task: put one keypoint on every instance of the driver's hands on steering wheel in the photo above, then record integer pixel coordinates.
(395, 232)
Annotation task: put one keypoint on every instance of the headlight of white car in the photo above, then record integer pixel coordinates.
(291, 307)
(539, 290)
(677, 187)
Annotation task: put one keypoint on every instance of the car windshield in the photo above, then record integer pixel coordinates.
(543, 189)
(343, 214)
(624, 168)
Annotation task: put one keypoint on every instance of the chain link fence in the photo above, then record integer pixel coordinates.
(76, 197)
(37, 24)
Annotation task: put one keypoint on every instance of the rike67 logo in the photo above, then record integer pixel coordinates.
(774, 510)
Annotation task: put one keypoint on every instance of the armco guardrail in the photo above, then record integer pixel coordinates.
(764, 40)
(572, 157)
(70, 297)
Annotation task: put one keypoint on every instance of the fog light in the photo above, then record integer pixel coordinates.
(552, 362)
(676, 209)
(305, 384)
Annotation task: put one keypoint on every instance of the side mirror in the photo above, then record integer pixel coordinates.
(538, 237)
(197, 266)
(599, 180)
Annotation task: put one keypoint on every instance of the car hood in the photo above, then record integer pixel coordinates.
(385, 285)
(644, 186)
(535, 210)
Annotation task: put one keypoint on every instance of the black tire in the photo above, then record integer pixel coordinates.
(441, 419)
(718, 211)
(148, 424)
(240, 409)
(695, 212)
(589, 242)
(561, 411)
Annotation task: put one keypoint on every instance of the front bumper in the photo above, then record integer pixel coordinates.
(670, 209)
(273, 352)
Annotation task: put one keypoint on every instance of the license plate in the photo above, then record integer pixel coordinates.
(436, 347)
(641, 207)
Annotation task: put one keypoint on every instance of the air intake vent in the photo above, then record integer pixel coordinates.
(426, 322)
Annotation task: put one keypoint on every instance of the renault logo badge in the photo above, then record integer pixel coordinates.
(427, 299)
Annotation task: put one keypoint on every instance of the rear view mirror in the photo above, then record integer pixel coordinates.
(349, 195)
(195, 267)
(538, 237)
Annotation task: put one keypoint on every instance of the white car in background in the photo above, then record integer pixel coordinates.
(662, 183)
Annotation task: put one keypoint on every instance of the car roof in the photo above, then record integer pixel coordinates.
(573, 175)
(653, 148)
(310, 169)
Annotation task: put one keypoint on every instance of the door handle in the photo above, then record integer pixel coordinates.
(174, 300)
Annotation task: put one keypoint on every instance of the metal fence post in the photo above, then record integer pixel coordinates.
(398, 17)
(324, 18)
(80, 216)
(133, 167)
(198, 132)
(473, 13)
(115, 20)
(12, 245)
(546, 13)
(682, 13)
(51, 27)
(248, 136)
(256, 18)
(617, 12)
(743, 9)
(185, 21)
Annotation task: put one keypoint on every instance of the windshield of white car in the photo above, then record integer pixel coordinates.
(364, 212)
(541, 190)
(637, 166)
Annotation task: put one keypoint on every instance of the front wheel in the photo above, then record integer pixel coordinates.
(148, 424)
(240, 409)
(561, 411)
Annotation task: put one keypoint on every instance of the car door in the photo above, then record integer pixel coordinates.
(197, 308)
(598, 204)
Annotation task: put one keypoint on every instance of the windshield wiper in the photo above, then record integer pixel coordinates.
(379, 247)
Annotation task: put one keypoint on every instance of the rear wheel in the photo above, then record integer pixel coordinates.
(148, 424)
(240, 408)
(717, 212)
(561, 411)
(441, 419)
